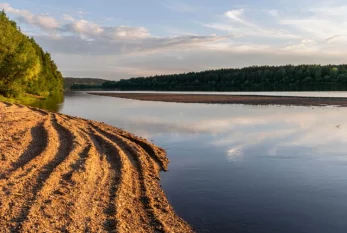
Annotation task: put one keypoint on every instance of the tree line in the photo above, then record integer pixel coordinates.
(288, 77)
(24, 66)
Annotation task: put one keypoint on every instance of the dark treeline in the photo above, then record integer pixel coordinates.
(24, 66)
(82, 83)
(87, 86)
(255, 78)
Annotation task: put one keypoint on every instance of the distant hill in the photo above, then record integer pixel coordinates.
(69, 81)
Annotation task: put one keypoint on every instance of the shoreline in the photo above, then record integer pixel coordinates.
(230, 99)
(63, 173)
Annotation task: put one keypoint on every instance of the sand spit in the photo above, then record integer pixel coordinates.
(65, 174)
(230, 99)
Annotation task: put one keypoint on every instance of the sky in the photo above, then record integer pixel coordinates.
(116, 39)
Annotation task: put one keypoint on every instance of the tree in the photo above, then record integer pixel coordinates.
(24, 67)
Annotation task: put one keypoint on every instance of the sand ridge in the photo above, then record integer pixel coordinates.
(230, 99)
(65, 174)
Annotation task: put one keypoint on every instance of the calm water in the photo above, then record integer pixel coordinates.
(238, 168)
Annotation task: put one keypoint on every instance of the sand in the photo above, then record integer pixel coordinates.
(66, 174)
(230, 99)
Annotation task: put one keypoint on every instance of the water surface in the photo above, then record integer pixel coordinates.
(239, 168)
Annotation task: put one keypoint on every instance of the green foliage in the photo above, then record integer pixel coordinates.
(24, 66)
(289, 77)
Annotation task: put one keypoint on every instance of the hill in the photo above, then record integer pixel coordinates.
(25, 69)
(89, 82)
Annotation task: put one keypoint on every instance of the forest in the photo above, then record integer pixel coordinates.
(25, 69)
(257, 78)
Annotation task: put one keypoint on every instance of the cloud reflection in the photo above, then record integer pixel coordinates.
(271, 129)
(241, 131)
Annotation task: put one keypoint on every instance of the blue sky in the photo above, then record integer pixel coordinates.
(127, 38)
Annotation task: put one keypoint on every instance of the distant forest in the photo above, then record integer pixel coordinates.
(89, 82)
(24, 67)
(265, 78)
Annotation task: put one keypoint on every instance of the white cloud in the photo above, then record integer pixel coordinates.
(235, 38)
(105, 44)
(83, 27)
(239, 25)
(329, 12)
(236, 15)
(320, 23)
(274, 13)
(67, 17)
(107, 37)
(253, 31)
(310, 30)
(41, 21)
(124, 32)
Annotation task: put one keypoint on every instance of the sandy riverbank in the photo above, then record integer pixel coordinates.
(230, 99)
(65, 174)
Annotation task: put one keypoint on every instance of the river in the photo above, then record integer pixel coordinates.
(240, 168)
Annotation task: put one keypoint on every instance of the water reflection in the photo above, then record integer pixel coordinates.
(52, 103)
(238, 168)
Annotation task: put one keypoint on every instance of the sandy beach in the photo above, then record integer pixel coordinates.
(65, 174)
(229, 99)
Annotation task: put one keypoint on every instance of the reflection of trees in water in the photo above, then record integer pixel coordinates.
(51, 103)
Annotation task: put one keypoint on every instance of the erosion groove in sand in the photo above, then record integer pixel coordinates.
(65, 174)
